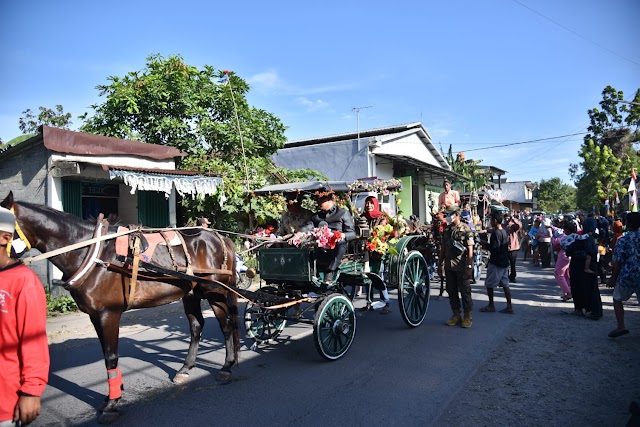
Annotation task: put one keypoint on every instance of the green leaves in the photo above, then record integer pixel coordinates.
(608, 151)
(555, 196)
(30, 122)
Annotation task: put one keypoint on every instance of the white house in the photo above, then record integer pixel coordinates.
(405, 152)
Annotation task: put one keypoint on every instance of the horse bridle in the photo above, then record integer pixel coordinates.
(20, 234)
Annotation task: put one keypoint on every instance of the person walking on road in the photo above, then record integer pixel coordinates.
(498, 266)
(625, 277)
(456, 255)
(584, 286)
(545, 232)
(24, 351)
(513, 227)
(561, 269)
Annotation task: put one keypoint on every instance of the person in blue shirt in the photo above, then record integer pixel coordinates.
(533, 240)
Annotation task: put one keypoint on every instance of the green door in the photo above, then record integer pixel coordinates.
(72, 197)
(153, 209)
(405, 208)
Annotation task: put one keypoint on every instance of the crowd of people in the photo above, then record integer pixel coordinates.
(580, 249)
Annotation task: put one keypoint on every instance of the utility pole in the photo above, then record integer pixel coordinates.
(357, 111)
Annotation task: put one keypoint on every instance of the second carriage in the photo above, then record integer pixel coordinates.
(292, 286)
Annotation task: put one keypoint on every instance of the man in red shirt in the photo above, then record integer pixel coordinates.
(24, 351)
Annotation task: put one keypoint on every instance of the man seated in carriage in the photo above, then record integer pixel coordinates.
(336, 219)
(296, 219)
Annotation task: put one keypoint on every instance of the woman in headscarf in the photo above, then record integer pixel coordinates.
(375, 217)
(617, 233)
(584, 286)
(372, 212)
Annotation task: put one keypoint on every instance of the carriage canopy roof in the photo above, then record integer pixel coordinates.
(359, 186)
(305, 187)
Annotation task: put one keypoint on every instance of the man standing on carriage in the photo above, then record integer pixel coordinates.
(336, 219)
(24, 357)
(456, 255)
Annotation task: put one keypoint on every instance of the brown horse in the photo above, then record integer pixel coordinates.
(104, 293)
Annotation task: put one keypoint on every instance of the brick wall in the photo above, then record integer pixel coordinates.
(24, 171)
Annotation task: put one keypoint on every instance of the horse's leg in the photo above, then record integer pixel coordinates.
(193, 311)
(227, 315)
(107, 326)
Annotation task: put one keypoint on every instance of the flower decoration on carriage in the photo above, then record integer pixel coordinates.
(383, 237)
(321, 237)
(380, 186)
(268, 231)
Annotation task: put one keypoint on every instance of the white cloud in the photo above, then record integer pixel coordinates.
(314, 105)
(267, 81)
(437, 132)
(270, 81)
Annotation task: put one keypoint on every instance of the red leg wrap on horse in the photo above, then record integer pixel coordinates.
(115, 383)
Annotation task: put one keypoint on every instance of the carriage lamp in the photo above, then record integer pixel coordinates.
(473, 199)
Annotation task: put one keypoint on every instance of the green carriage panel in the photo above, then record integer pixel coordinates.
(290, 264)
(396, 261)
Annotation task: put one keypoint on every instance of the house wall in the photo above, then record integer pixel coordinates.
(25, 173)
(339, 161)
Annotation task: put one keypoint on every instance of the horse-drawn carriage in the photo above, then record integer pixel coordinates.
(193, 264)
(294, 275)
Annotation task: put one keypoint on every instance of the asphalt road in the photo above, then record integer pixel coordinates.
(392, 374)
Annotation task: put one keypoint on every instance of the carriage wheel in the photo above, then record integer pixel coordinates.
(262, 325)
(334, 326)
(413, 292)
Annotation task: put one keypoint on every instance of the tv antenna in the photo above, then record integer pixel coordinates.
(357, 111)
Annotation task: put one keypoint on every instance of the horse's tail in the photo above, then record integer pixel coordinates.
(232, 299)
(232, 306)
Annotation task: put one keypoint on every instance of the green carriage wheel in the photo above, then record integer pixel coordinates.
(261, 324)
(334, 326)
(413, 289)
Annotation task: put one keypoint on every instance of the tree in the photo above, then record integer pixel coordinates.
(56, 118)
(172, 103)
(556, 196)
(478, 177)
(608, 152)
(203, 112)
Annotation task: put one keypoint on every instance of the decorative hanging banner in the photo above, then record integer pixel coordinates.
(193, 185)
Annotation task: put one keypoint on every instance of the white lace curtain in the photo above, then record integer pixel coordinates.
(192, 185)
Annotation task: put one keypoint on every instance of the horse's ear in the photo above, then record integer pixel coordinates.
(7, 203)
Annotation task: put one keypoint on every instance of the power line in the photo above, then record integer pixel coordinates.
(577, 34)
(525, 142)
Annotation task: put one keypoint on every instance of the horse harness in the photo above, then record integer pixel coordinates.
(137, 246)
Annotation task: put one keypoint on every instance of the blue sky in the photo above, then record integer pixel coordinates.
(477, 74)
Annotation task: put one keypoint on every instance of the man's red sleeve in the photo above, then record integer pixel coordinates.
(31, 319)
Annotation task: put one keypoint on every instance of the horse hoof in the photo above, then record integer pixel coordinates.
(108, 417)
(224, 377)
(180, 378)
